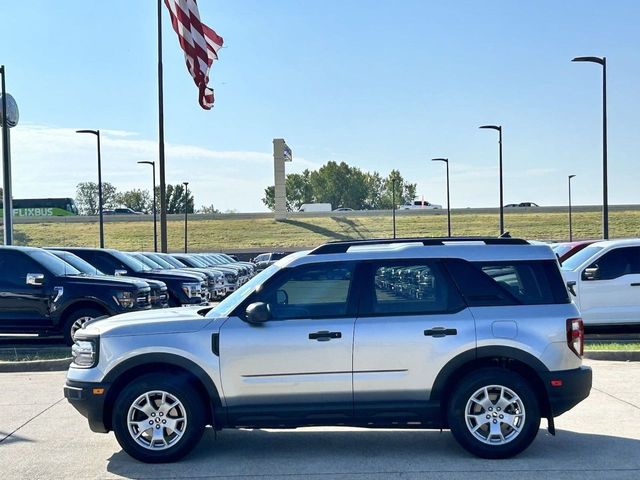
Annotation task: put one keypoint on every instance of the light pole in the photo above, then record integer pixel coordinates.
(97, 134)
(155, 226)
(499, 129)
(570, 224)
(605, 194)
(446, 160)
(393, 200)
(186, 210)
(9, 117)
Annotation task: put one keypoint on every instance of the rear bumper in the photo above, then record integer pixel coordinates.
(90, 404)
(567, 388)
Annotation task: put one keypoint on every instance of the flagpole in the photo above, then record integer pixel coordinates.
(163, 200)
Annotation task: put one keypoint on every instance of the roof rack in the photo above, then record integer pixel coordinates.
(343, 246)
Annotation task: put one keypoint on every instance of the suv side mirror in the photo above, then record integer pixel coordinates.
(591, 273)
(120, 273)
(35, 279)
(258, 313)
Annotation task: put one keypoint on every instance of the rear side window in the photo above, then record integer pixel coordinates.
(415, 287)
(509, 283)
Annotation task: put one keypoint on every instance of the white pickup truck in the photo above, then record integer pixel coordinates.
(315, 207)
(419, 205)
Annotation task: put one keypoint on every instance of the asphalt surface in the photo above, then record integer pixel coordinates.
(42, 436)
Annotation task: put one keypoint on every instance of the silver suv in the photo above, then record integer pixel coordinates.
(478, 336)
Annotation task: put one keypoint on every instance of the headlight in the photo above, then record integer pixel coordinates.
(125, 299)
(85, 352)
(231, 278)
(191, 289)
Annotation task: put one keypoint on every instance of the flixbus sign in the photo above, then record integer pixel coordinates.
(39, 212)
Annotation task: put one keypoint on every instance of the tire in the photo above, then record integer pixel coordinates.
(76, 320)
(187, 415)
(513, 411)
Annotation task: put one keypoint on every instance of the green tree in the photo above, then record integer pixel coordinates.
(343, 186)
(174, 196)
(208, 210)
(136, 199)
(87, 197)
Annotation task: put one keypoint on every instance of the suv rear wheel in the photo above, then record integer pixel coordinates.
(158, 418)
(494, 413)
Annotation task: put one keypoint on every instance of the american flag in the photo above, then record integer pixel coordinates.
(199, 42)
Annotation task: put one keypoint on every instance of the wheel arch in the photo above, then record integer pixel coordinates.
(80, 303)
(169, 364)
(513, 359)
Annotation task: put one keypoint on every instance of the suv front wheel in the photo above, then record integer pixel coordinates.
(158, 418)
(494, 413)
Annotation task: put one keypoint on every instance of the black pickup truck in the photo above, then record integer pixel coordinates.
(184, 288)
(41, 294)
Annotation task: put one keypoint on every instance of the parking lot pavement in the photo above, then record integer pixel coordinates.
(42, 436)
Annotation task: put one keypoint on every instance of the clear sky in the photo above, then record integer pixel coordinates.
(377, 84)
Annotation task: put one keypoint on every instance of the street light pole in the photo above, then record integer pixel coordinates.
(499, 129)
(97, 134)
(570, 223)
(605, 190)
(155, 226)
(393, 200)
(446, 160)
(186, 209)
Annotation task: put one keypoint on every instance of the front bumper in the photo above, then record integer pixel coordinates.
(567, 388)
(85, 398)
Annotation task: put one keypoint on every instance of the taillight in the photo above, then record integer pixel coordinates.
(575, 335)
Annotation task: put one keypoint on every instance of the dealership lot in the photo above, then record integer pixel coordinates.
(41, 435)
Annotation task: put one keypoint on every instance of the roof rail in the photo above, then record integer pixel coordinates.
(343, 246)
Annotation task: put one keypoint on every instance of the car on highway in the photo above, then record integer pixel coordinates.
(419, 205)
(122, 211)
(479, 337)
(158, 290)
(41, 294)
(183, 288)
(521, 205)
(604, 279)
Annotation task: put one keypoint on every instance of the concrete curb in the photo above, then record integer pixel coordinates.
(36, 366)
(613, 355)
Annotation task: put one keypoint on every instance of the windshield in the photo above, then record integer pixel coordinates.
(197, 262)
(579, 258)
(147, 261)
(78, 263)
(225, 307)
(52, 263)
(158, 259)
(172, 261)
(561, 248)
(130, 262)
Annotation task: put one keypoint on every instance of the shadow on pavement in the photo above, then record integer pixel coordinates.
(5, 439)
(329, 453)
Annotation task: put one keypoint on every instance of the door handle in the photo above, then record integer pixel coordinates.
(635, 284)
(324, 335)
(438, 332)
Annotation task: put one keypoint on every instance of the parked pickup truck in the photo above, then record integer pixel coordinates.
(41, 294)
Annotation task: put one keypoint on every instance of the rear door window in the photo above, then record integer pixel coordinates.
(408, 287)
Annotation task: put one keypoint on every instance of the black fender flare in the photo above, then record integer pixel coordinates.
(155, 359)
(455, 364)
